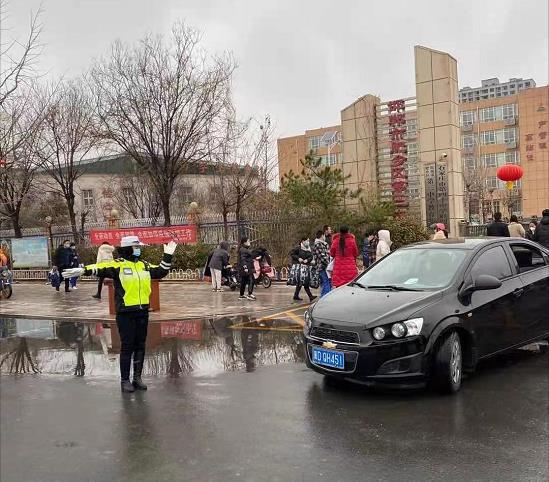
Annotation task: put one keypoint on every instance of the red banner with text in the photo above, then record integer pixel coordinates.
(152, 235)
(184, 330)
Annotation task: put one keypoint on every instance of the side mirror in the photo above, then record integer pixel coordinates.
(480, 283)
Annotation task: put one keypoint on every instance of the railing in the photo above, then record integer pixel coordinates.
(174, 275)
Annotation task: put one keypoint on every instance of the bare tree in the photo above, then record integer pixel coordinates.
(244, 167)
(20, 121)
(18, 58)
(158, 101)
(476, 188)
(67, 137)
(137, 196)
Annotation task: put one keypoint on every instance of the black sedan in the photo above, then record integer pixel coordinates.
(429, 311)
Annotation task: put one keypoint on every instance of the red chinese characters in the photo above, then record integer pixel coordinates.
(529, 137)
(157, 235)
(398, 149)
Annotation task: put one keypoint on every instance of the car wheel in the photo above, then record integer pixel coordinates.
(448, 365)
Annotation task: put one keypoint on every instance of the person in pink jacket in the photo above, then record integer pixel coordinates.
(344, 250)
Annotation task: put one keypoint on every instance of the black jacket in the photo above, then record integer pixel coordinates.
(63, 258)
(498, 228)
(542, 232)
(297, 253)
(245, 260)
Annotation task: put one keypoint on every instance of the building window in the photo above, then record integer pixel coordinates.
(467, 117)
(468, 141)
(492, 182)
(489, 160)
(488, 137)
(314, 143)
(324, 161)
(509, 135)
(508, 111)
(512, 157)
(87, 198)
(186, 194)
(496, 207)
(470, 163)
(488, 114)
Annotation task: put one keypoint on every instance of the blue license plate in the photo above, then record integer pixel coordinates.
(328, 358)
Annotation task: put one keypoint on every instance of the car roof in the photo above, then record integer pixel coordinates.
(469, 244)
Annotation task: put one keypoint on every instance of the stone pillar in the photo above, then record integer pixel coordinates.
(439, 138)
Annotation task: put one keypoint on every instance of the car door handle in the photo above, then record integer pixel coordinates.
(518, 292)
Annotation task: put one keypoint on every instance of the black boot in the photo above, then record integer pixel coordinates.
(138, 384)
(126, 386)
(97, 296)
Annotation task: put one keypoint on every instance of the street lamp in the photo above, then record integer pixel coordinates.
(265, 131)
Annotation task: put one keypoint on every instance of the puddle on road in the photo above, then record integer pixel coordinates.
(190, 347)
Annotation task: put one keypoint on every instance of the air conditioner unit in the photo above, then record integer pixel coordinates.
(511, 121)
(510, 144)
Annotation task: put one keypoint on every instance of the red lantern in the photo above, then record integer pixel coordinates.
(510, 173)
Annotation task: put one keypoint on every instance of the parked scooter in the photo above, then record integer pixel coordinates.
(5, 283)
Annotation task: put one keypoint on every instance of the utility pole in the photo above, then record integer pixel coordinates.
(265, 130)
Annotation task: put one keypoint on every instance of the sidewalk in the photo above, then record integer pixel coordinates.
(177, 301)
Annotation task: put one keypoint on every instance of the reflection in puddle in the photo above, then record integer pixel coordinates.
(199, 347)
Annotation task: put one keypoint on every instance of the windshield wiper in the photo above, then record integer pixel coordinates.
(392, 288)
(360, 285)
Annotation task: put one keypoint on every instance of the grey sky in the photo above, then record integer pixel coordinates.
(302, 61)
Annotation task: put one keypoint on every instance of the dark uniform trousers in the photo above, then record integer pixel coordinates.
(132, 327)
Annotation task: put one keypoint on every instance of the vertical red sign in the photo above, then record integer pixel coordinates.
(398, 149)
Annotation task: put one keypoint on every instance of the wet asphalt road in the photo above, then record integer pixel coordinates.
(277, 423)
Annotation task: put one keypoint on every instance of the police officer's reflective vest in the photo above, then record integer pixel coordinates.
(131, 280)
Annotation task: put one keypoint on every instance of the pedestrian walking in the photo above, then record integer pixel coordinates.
(132, 289)
(384, 243)
(75, 263)
(104, 255)
(497, 227)
(218, 262)
(321, 258)
(300, 273)
(344, 251)
(246, 270)
(531, 230)
(516, 230)
(541, 235)
(63, 261)
(440, 232)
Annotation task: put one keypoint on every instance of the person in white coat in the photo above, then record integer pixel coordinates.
(104, 255)
(384, 244)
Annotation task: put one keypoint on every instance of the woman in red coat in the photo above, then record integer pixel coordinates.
(345, 251)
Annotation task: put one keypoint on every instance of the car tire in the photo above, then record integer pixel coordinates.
(448, 364)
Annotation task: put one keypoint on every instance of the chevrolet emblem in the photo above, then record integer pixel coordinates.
(328, 344)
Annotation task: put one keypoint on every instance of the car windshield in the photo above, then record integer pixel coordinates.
(414, 269)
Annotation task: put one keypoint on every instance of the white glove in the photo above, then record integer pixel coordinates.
(170, 247)
(73, 272)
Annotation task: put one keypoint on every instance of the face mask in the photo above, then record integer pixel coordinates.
(137, 252)
(67, 245)
(248, 244)
(532, 228)
(306, 245)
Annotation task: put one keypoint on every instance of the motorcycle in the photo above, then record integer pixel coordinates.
(229, 277)
(5, 283)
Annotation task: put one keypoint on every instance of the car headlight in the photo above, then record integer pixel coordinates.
(308, 321)
(413, 326)
(379, 333)
(400, 329)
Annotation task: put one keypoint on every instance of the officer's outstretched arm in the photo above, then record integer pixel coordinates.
(108, 269)
(162, 270)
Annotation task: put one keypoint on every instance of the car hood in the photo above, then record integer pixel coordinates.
(370, 308)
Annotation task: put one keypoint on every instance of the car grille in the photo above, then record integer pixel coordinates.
(335, 335)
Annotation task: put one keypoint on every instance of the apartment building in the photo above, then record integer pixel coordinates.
(493, 89)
